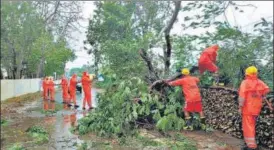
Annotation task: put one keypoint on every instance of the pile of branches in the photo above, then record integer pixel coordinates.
(221, 110)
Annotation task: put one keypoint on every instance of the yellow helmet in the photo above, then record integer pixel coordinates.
(185, 71)
(251, 70)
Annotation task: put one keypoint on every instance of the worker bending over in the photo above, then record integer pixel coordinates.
(192, 95)
(252, 91)
(207, 61)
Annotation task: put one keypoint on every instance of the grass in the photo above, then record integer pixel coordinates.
(4, 122)
(16, 146)
(23, 98)
(181, 143)
(39, 134)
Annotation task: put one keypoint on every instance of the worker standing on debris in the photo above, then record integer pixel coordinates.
(86, 84)
(207, 61)
(252, 91)
(72, 90)
(192, 97)
(51, 89)
(64, 84)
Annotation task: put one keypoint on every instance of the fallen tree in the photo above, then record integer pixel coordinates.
(128, 105)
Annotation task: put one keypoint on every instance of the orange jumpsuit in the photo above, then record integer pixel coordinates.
(64, 84)
(44, 88)
(86, 83)
(208, 59)
(251, 94)
(191, 92)
(72, 88)
(51, 90)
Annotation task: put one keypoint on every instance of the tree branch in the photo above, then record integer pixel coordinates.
(54, 12)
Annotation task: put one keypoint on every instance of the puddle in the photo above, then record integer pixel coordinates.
(56, 117)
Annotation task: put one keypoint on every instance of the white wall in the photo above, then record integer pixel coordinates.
(13, 88)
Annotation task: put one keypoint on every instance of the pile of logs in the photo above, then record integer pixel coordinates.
(221, 110)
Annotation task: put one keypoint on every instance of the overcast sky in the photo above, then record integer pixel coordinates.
(245, 20)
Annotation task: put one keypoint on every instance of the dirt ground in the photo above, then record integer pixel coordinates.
(20, 115)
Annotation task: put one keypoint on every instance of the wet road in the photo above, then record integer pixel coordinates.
(58, 124)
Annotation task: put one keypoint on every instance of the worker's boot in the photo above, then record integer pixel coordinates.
(188, 125)
(203, 124)
(247, 148)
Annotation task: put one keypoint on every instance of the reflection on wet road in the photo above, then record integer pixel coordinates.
(58, 121)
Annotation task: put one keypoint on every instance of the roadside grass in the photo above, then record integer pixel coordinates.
(39, 134)
(22, 98)
(4, 122)
(16, 146)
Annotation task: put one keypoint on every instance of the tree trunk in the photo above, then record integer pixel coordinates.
(167, 36)
(1, 74)
(96, 61)
(167, 55)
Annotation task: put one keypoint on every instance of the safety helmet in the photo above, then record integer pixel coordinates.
(185, 71)
(251, 70)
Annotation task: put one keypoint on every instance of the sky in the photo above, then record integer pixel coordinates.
(244, 20)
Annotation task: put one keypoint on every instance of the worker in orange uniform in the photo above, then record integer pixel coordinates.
(86, 84)
(44, 88)
(64, 84)
(192, 97)
(72, 90)
(252, 91)
(51, 89)
(207, 61)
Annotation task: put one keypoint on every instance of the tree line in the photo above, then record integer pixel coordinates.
(34, 37)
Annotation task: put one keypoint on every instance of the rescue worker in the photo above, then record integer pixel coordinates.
(51, 89)
(207, 61)
(64, 84)
(47, 88)
(192, 97)
(252, 91)
(72, 90)
(44, 88)
(86, 84)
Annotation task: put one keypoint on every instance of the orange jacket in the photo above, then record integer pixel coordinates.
(252, 91)
(73, 82)
(189, 88)
(86, 80)
(209, 54)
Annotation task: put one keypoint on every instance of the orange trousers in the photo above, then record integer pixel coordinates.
(204, 66)
(248, 126)
(72, 93)
(45, 92)
(65, 94)
(87, 96)
(52, 93)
